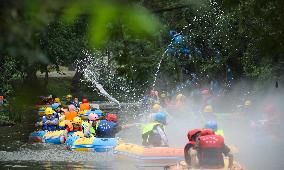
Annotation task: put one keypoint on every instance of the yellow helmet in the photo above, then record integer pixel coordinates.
(208, 109)
(68, 96)
(77, 120)
(57, 100)
(179, 96)
(247, 103)
(48, 111)
(156, 107)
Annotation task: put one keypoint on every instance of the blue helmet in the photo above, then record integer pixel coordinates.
(160, 117)
(211, 124)
(55, 106)
(105, 128)
(98, 112)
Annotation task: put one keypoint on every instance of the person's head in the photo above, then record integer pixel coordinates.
(208, 109)
(156, 107)
(211, 124)
(71, 108)
(49, 112)
(85, 101)
(247, 103)
(68, 97)
(57, 100)
(56, 107)
(93, 117)
(76, 100)
(193, 134)
(77, 121)
(160, 117)
(111, 117)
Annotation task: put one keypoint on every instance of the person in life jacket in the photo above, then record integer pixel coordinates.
(76, 125)
(109, 127)
(91, 126)
(210, 149)
(49, 121)
(212, 124)
(71, 113)
(68, 99)
(76, 102)
(59, 114)
(208, 113)
(153, 134)
(189, 152)
(179, 100)
(85, 105)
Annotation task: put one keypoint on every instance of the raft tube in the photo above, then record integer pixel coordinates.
(55, 137)
(150, 155)
(37, 136)
(91, 144)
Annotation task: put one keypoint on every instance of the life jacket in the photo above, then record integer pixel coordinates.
(46, 126)
(210, 151)
(70, 115)
(92, 130)
(61, 123)
(106, 129)
(85, 106)
(149, 127)
(150, 138)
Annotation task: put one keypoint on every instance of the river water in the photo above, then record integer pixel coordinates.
(16, 153)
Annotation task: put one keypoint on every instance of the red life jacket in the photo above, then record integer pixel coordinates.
(210, 153)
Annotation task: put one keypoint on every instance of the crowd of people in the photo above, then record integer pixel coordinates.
(78, 116)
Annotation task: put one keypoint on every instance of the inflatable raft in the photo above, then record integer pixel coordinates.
(149, 155)
(183, 166)
(91, 144)
(125, 150)
(55, 137)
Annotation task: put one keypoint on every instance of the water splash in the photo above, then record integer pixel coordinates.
(164, 54)
(91, 73)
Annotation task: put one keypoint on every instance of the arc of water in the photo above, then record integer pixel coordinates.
(160, 62)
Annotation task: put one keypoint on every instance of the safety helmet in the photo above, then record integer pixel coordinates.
(179, 96)
(205, 92)
(160, 117)
(71, 108)
(211, 124)
(48, 111)
(156, 107)
(85, 101)
(99, 113)
(206, 132)
(111, 117)
(57, 100)
(55, 106)
(208, 109)
(93, 117)
(247, 103)
(77, 120)
(68, 96)
(192, 132)
(163, 95)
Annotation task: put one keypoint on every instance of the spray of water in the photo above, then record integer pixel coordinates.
(92, 72)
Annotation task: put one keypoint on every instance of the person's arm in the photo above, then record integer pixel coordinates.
(163, 136)
(226, 152)
(54, 122)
